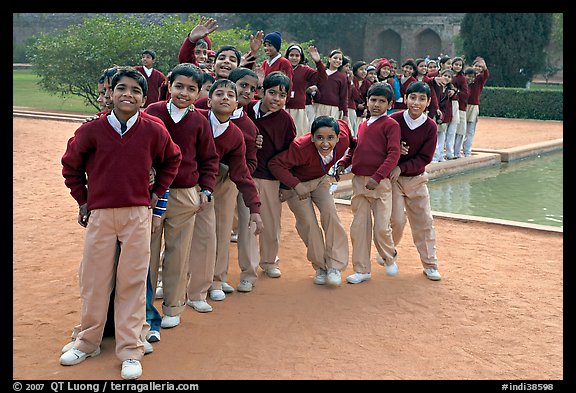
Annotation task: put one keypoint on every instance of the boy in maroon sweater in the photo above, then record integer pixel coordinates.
(278, 131)
(304, 167)
(409, 179)
(115, 152)
(190, 191)
(233, 177)
(154, 77)
(375, 155)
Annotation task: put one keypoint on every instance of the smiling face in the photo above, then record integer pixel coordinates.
(246, 87)
(325, 139)
(417, 104)
(127, 97)
(223, 101)
(184, 91)
(274, 99)
(225, 62)
(294, 57)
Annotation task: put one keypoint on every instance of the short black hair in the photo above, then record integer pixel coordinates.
(418, 87)
(325, 121)
(130, 72)
(276, 78)
(222, 82)
(381, 89)
(149, 52)
(189, 70)
(240, 72)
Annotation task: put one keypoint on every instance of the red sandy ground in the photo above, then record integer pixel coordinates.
(496, 314)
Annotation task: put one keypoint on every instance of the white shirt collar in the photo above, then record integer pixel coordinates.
(217, 127)
(256, 109)
(237, 113)
(176, 113)
(115, 123)
(414, 123)
(327, 159)
(271, 61)
(372, 119)
(148, 70)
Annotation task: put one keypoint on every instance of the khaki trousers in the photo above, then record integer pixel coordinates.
(300, 121)
(371, 210)
(177, 228)
(328, 249)
(271, 212)
(248, 252)
(410, 199)
(100, 271)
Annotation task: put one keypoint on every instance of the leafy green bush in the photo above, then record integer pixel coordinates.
(520, 103)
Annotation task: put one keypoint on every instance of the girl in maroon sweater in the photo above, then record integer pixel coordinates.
(476, 83)
(304, 77)
(410, 198)
(304, 167)
(331, 98)
(459, 101)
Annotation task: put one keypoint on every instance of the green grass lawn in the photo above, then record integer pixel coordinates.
(27, 93)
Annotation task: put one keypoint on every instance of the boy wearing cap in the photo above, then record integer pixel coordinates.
(275, 62)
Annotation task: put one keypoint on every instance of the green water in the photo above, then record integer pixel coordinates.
(528, 190)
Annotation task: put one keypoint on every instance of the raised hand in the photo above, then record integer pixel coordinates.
(202, 29)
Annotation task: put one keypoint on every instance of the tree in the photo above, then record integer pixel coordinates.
(70, 62)
(513, 45)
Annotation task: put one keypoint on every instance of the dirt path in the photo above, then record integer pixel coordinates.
(496, 314)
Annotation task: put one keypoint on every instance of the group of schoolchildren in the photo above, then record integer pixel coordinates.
(161, 171)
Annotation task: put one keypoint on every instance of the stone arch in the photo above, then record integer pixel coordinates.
(389, 44)
(428, 42)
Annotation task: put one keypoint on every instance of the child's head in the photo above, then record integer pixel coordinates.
(432, 66)
(458, 65)
(246, 83)
(201, 51)
(295, 54)
(227, 58)
(128, 82)
(325, 131)
(383, 69)
(393, 67)
(371, 73)
(276, 87)
(470, 74)
(346, 66)
(107, 75)
(272, 43)
(417, 98)
(380, 97)
(445, 62)
(421, 67)
(408, 68)
(359, 70)
(210, 57)
(185, 83)
(206, 84)
(148, 58)
(447, 74)
(223, 98)
(335, 59)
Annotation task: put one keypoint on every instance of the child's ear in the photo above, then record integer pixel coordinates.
(143, 102)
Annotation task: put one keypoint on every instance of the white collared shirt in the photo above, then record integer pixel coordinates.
(115, 123)
(372, 119)
(256, 109)
(237, 113)
(414, 123)
(271, 61)
(176, 113)
(327, 159)
(148, 71)
(217, 127)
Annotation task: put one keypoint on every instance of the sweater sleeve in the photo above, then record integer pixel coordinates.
(281, 164)
(186, 53)
(392, 154)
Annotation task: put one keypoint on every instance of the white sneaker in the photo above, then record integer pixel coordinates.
(432, 274)
(199, 305)
(153, 336)
(227, 288)
(334, 277)
(391, 269)
(234, 237)
(357, 278)
(74, 356)
(131, 369)
(273, 272)
(170, 321)
(320, 277)
(68, 346)
(159, 293)
(148, 348)
(245, 286)
(217, 294)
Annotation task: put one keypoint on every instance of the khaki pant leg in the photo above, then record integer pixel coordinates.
(131, 276)
(382, 210)
(361, 227)
(248, 251)
(224, 206)
(270, 211)
(398, 216)
(300, 121)
(202, 253)
(421, 220)
(183, 203)
(97, 277)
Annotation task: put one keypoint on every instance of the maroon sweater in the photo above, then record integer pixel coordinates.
(475, 88)
(116, 169)
(304, 77)
(278, 131)
(232, 152)
(301, 162)
(377, 150)
(422, 142)
(155, 80)
(194, 136)
(281, 64)
(459, 81)
(334, 91)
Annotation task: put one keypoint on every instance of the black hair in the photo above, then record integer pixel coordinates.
(189, 70)
(325, 121)
(409, 62)
(276, 78)
(418, 87)
(356, 66)
(224, 83)
(207, 77)
(149, 52)
(130, 72)
(469, 71)
(303, 59)
(108, 73)
(381, 89)
(238, 73)
(232, 48)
